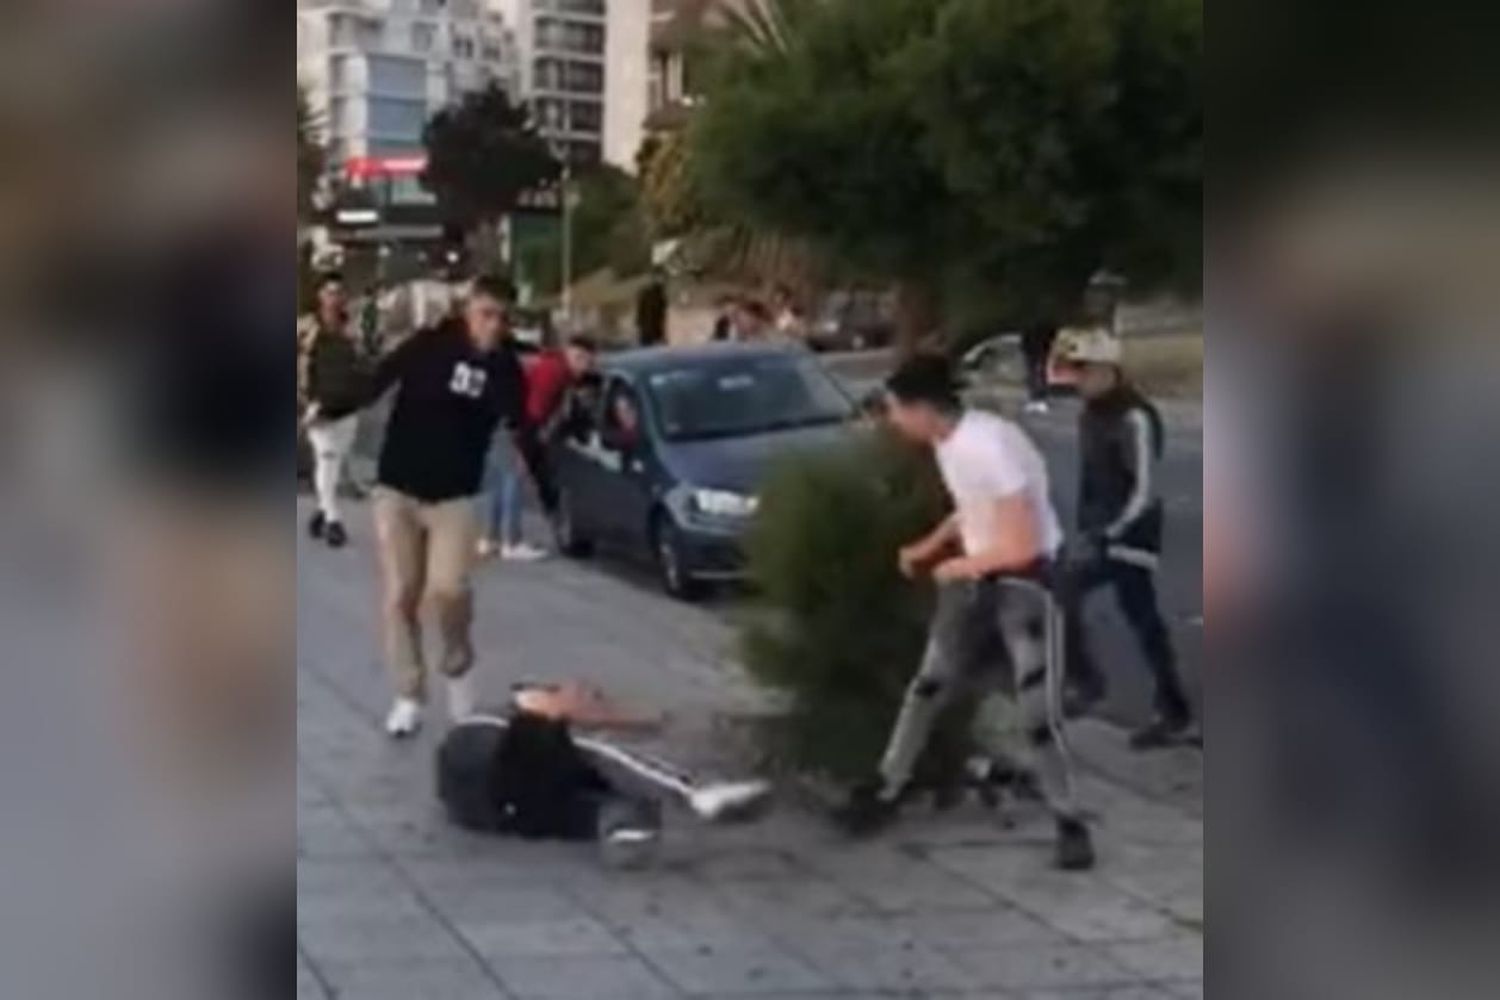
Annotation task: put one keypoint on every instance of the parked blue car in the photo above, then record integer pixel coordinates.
(666, 456)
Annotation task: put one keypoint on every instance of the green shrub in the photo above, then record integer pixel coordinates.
(839, 632)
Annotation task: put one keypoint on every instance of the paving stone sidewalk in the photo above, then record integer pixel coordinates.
(395, 905)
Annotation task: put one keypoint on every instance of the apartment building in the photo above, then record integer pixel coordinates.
(583, 68)
(376, 70)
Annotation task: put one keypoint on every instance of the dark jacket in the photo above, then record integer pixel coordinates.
(1121, 438)
(450, 400)
(651, 314)
(337, 378)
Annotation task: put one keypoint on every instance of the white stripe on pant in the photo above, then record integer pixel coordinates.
(1022, 614)
(331, 442)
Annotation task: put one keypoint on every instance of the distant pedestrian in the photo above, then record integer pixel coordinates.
(651, 311)
(723, 329)
(550, 375)
(456, 384)
(1120, 519)
(752, 322)
(331, 383)
(788, 320)
(992, 561)
(1036, 350)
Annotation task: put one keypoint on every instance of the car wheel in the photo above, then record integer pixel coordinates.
(572, 541)
(671, 567)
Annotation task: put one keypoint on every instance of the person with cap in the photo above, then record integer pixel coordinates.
(1121, 438)
(992, 562)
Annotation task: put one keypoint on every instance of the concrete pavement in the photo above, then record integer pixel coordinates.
(392, 903)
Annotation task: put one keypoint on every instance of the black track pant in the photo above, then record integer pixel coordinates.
(1135, 593)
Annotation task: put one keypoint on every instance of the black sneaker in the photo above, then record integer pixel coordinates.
(335, 535)
(1075, 847)
(315, 525)
(867, 811)
(1163, 731)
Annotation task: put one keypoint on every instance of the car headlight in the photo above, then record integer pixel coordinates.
(724, 503)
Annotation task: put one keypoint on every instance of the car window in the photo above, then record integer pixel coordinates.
(743, 396)
(621, 419)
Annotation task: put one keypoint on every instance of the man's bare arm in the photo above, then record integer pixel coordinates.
(1017, 545)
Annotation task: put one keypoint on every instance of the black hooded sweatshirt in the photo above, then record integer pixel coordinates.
(450, 399)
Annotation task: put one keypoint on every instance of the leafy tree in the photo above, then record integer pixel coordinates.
(310, 156)
(1005, 149)
(671, 202)
(808, 131)
(609, 225)
(609, 230)
(482, 154)
(838, 631)
(1072, 133)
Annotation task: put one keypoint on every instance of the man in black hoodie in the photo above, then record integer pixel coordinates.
(1120, 528)
(455, 383)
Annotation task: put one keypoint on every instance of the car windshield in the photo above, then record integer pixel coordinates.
(739, 397)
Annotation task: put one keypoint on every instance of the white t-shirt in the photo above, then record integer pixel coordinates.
(988, 459)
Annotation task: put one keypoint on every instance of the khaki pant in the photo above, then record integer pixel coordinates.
(426, 552)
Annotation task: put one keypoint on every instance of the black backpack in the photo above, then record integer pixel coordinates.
(522, 776)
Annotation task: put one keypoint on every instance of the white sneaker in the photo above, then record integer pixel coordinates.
(487, 549)
(462, 697)
(730, 801)
(522, 552)
(1037, 406)
(405, 718)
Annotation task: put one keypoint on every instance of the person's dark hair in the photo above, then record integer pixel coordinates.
(927, 379)
(758, 309)
(329, 278)
(492, 286)
(583, 343)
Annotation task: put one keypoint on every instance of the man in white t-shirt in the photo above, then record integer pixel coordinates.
(992, 563)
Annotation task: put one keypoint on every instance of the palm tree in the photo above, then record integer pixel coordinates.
(767, 27)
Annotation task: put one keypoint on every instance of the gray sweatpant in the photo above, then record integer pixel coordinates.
(962, 658)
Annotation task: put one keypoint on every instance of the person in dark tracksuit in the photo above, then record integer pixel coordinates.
(1118, 545)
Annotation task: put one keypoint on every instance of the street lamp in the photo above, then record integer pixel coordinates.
(567, 240)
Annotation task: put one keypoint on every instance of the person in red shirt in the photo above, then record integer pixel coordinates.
(550, 374)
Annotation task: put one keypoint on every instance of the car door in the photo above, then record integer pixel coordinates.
(627, 460)
(580, 471)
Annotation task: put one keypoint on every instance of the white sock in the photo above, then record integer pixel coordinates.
(462, 697)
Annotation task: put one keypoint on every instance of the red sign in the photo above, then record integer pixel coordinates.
(367, 167)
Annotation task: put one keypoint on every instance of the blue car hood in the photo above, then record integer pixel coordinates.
(740, 463)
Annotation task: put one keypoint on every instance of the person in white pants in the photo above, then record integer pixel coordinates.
(332, 379)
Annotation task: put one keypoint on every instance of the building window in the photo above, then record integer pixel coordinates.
(563, 36)
(583, 78)
(398, 77)
(422, 37)
(550, 113)
(584, 116)
(583, 154)
(581, 6)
